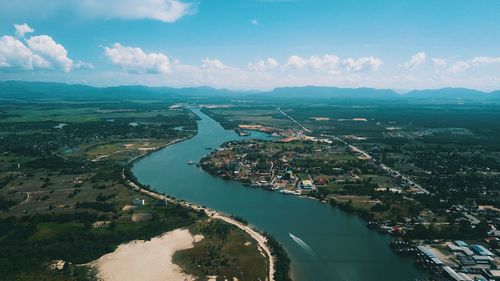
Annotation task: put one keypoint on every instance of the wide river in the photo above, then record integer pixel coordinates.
(336, 245)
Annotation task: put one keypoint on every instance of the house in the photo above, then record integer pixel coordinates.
(483, 259)
(139, 202)
(321, 181)
(482, 251)
(458, 276)
(461, 249)
(466, 261)
(307, 184)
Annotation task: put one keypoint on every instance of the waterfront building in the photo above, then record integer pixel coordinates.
(307, 185)
(482, 251)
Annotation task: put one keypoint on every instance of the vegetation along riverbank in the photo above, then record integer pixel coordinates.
(64, 201)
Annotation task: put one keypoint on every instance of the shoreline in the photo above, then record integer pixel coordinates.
(371, 223)
(147, 259)
(255, 234)
(140, 156)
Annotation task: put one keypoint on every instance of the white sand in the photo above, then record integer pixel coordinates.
(261, 239)
(147, 260)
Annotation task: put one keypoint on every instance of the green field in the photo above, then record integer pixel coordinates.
(62, 195)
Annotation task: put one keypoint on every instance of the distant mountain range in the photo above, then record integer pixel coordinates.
(370, 93)
(332, 92)
(49, 90)
(46, 90)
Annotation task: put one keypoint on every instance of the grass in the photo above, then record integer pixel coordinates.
(75, 207)
(245, 115)
(333, 187)
(49, 230)
(227, 254)
(79, 114)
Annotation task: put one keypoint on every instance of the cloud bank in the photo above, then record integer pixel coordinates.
(167, 11)
(416, 60)
(133, 59)
(35, 52)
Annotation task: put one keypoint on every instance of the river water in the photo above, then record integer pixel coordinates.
(326, 243)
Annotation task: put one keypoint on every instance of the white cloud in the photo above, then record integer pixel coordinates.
(263, 65)
(326, 62)
(438, 62)
(459, 66)
(485, 60)
(212, 64)
(362, 64)
(416, 60)
(22, 29)
(13, 53)
(161, 10)
(136, 60)
(35, 52)
(254, 22)
(465, 64)
(476, 62)
(333, 64)
(51, 51)
(82, 64)
(297, 62)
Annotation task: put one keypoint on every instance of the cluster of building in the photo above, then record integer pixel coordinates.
(227, 163)
(453, 260)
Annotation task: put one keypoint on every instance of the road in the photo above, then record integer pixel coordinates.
(364, 153)
(293, 120)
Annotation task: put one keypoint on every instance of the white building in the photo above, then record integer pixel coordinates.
(307, 185)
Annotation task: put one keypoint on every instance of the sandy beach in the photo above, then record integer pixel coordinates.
(147, 260)
(260, 238)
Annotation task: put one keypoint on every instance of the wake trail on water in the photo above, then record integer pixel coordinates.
(303, 245)
(311, 252)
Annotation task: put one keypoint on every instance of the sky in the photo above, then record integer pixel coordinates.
(253, 44)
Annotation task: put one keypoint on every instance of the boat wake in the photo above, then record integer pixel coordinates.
(303, 245)
(310, 251)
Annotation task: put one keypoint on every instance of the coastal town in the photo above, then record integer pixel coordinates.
(331, 169)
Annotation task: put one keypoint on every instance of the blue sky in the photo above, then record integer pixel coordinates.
(253, 44)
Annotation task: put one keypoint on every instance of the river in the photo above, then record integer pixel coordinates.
(326, 243)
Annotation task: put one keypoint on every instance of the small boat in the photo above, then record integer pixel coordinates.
(190, 162)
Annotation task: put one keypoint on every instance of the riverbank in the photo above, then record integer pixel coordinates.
(147, 260)
(336, 242)
(138, 157)
(258, 237)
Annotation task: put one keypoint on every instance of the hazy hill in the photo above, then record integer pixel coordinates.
(448, 94)
(331, 93)
(495, 95)
(45, 90)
